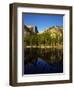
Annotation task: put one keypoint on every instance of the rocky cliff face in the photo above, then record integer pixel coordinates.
(29, 29)
(54, 29)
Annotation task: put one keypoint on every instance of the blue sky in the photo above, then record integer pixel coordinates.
(42, 21)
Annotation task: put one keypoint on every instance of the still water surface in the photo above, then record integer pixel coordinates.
(38, 61)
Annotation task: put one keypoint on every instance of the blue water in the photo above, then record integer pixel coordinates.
(37, 62)
(40, 66)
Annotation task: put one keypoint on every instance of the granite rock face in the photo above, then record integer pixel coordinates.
(29, 29)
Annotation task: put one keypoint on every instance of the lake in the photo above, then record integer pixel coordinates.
(46, 60)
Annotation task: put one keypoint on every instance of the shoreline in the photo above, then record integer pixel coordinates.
(58, 47)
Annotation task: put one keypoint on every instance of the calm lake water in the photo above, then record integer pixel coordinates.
(38, 61)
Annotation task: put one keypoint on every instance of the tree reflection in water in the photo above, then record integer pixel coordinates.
(37, 61)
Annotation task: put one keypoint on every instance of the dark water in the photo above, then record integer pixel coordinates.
(38, 61)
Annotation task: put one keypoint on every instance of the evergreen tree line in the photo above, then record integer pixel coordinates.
(45, 39)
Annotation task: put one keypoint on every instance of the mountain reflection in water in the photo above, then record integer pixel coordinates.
(38, 61)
